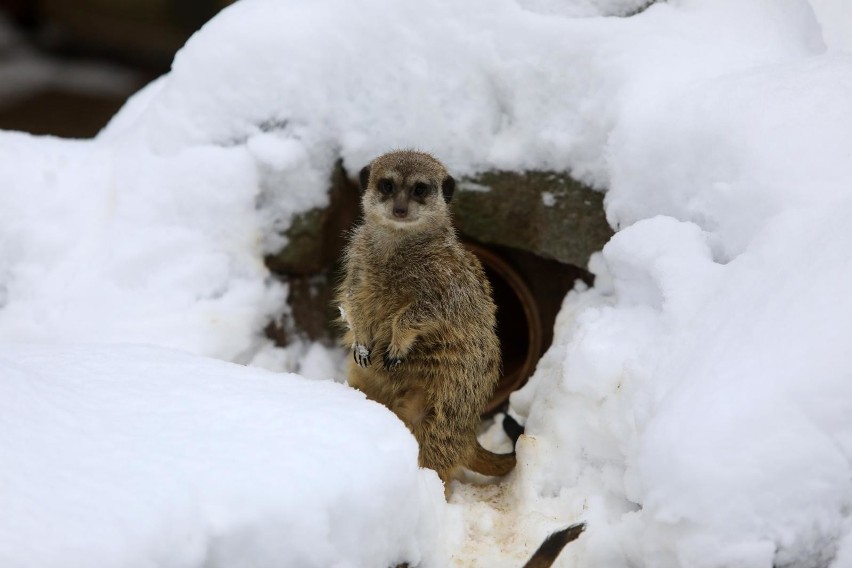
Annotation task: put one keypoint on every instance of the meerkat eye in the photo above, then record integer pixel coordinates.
(420, 189)
(385, 186)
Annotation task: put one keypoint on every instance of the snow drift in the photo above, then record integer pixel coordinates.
(698, 397)
(139, 456)
(695, 405)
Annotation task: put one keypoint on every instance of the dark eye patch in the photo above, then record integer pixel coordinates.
(385, 186)
(420, 189)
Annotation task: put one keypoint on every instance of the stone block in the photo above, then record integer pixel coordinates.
(545, 213)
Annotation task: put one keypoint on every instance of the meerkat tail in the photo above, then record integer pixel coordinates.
(546, 554)
(489, 463)
(512, 428)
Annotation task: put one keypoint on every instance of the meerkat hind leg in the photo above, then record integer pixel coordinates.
(447, 476)
(411, 407)
(441, 451)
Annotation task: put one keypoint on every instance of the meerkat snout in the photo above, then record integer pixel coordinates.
(400, 208)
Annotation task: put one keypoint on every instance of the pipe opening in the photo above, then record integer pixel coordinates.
(518, 324)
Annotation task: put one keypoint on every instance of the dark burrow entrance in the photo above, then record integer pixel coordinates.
(528, 292)
(518, 323)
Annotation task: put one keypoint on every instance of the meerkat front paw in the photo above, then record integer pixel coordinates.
(391, 361)
(361, 354)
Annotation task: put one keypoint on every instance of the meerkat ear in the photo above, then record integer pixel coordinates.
(448, 186)
(364, 177)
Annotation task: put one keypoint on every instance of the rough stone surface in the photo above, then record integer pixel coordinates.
(545, 213)
(316, 237)
(303, 252)
(311, 307)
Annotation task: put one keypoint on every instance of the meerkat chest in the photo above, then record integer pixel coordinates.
(428, 277)
(377, 294)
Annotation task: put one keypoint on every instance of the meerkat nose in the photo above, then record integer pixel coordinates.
(400, 212)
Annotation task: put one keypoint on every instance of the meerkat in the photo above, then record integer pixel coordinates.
(420, 315)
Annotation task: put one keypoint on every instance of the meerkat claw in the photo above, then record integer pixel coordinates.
(361, 355)
(391, 363)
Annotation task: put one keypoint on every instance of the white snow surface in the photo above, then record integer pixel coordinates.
(695, 408)
(138, 456)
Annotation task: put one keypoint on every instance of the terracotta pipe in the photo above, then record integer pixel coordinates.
(518, 363)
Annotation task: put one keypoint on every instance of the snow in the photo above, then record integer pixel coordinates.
(835, 18)
(716, 396)
(693, 409)
(107, 243)
(696, 401)
(140, 456)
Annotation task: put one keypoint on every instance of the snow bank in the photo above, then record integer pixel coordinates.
(104, 243)
(136, 456)
(697, 405)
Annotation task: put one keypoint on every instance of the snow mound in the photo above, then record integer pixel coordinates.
(696, 404)
(104, 243)
(138, 456)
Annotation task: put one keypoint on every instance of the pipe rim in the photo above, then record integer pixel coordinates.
(510, 383)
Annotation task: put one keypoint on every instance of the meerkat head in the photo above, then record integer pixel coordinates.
(406, 190)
